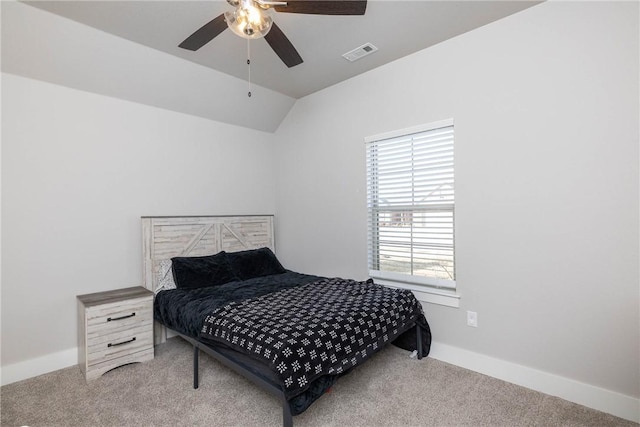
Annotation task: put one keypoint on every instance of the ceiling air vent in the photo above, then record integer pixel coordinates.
(359, 52)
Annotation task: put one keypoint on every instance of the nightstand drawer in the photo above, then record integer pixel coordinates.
(118, 344)
(115, 328)
(112, 318)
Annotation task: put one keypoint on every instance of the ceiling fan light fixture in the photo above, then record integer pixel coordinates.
(251, 20)
(247, 20)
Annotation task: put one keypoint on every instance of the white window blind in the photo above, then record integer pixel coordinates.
(411, 203)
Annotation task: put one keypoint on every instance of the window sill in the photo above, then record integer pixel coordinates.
(446, 297)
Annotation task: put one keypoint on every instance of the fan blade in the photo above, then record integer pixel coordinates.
(205, 34)
(325, 7)
(282, 46)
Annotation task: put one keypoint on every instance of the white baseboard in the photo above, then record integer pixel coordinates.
(608, 401)
(38, 366)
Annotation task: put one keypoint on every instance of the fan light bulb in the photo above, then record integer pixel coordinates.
(248, 21)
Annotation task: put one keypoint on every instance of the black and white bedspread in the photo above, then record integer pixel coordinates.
(322, 328)
(184, 310)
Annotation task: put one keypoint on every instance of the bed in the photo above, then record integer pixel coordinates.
(291, 334)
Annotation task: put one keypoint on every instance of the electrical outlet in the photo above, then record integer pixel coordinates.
(472, 319)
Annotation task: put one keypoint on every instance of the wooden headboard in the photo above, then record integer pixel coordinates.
(164, 237)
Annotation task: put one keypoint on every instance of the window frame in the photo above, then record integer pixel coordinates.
(427, 289)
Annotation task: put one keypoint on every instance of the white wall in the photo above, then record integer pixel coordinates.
(545, 104)
(78, 171)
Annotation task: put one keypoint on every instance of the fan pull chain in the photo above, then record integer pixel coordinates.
(249, 64)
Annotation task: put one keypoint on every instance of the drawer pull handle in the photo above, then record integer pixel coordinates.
(109, 319)
(123, 342)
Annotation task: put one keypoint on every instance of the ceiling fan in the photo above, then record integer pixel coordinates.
(251, 20)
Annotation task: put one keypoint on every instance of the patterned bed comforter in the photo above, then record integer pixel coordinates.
(322, 328)
(183, 310)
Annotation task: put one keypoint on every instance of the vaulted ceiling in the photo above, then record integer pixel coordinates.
(396, 28)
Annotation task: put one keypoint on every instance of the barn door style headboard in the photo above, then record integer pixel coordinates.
(165, 237)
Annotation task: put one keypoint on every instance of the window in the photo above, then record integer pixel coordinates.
(411, 204)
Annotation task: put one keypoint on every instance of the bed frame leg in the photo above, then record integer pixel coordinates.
(196, 354)
(419, 340)
(287, 418)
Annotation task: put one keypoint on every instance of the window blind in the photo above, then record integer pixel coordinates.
(411, 207)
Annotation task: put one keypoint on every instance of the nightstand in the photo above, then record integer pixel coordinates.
(114, 328)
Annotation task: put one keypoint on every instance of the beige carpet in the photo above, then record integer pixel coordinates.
(389, 390)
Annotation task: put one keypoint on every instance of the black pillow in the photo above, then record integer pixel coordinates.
(202, 271)
(254, 263)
